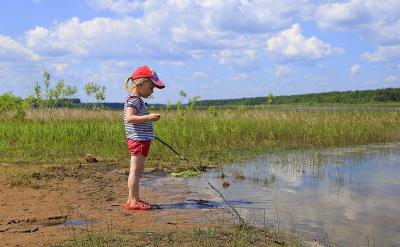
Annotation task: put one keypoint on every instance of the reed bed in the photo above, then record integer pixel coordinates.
(65, 136)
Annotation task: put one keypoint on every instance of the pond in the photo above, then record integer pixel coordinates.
(339, 196)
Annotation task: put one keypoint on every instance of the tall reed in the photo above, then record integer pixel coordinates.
(65, 136)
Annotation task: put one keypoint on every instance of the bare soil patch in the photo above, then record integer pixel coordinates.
(53, 213)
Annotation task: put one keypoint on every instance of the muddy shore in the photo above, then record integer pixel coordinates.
(69, 202)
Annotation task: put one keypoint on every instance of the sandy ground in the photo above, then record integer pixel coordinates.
(37, 217)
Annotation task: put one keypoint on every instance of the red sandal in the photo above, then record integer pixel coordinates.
(140, 205)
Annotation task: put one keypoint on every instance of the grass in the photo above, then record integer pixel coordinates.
(199, 236)
(185, 173)
(65, 136)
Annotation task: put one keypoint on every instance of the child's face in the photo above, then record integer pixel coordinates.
(146, 89)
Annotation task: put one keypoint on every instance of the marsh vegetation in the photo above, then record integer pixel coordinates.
(64, 136)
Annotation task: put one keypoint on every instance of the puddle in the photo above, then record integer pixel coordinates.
(75, 222)
(192, 204)
(200, 204)
(178, 194)
(342, 196)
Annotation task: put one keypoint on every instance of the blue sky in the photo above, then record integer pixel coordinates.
(210, 48)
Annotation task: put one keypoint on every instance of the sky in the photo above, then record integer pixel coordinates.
(208, 48)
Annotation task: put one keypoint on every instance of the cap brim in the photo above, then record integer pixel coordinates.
(159, 84)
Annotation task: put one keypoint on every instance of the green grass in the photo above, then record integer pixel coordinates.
(66, 136)
(198, 236)
(185, 173)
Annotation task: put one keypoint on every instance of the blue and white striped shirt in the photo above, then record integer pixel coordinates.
(141, 131)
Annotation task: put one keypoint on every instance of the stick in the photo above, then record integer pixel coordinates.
(169, 146)
(242, 222)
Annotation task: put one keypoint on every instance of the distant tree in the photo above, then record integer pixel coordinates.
(52, 97)
(98, 92)
(270, 98)
(189, 107)
(59, 95)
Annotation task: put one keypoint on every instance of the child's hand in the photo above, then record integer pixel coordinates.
(154, 117)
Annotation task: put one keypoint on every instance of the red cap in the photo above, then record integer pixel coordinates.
(146, 72)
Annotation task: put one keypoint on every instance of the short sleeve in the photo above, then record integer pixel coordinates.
(133, 102)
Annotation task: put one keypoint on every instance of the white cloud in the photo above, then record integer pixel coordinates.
(282, 70)
(383, 54)
(189, 35)
(196, 30)
(385, 33)
(355, 69)
(242, 16)
(199, 74)
(76, 38)
(245, 58)
(111, 73)
(342, 15)
(392, 79)
(118, 6)
(11, 50)
(240, 76)
(374, 20)
(173, 63)
(59, 67)
(290, 45)
(246, 16)
(102, 38)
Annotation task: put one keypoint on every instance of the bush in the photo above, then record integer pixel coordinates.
(12, 104)
(52, 97)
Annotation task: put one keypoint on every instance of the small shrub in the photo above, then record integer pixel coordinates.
(15, 105)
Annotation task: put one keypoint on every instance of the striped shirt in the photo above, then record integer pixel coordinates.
(140, 131)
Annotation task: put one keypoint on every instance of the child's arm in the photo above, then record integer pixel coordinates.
(132, 118)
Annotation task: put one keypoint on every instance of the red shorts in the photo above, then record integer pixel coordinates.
(139, 147)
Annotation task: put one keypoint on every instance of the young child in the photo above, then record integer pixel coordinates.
(139, 129)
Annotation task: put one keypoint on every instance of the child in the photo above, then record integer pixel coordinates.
(139, 129)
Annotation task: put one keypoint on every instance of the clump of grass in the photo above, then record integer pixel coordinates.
(24, 177)
(95, 238)
(23, 180)
(269, 182)
(238, 175)
(186, 173)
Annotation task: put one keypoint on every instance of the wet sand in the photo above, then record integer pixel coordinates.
(69, 198)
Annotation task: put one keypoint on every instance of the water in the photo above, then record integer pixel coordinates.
(341, 197)
(177, 193)
(78, 222)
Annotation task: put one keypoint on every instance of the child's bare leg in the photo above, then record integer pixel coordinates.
(135, 172)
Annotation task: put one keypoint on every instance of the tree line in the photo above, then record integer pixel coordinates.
(386, 95)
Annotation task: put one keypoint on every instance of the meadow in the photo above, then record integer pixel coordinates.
(209, 137)
(49, 141)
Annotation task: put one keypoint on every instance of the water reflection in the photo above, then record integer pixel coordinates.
(200, 204)
(343, 196)
(76, 222)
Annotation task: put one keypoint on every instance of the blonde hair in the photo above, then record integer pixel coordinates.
(135, 83)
